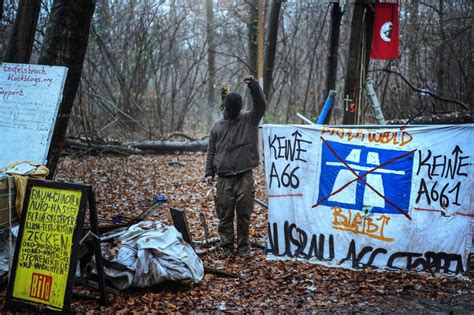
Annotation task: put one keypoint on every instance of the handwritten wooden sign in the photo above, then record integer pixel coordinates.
(29, 100)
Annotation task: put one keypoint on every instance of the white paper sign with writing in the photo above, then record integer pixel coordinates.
(380, 197)
(29, 100)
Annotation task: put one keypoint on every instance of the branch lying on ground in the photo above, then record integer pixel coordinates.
(94, 148)
(83, 147)
(180, 134)
(169, 146)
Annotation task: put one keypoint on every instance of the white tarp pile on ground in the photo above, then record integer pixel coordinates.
(149, 253)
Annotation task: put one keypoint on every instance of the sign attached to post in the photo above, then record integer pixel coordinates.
(46, 251)
(29, 101)
(371, 197)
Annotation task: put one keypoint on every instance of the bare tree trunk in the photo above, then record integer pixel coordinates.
(331, 68)
(23, 32)
(413, 43)
(270, 50)
(252, 26)
(353, 62)
(252, 36)
(369, 31)
(65, 44)
(440, 73)
(211, 60)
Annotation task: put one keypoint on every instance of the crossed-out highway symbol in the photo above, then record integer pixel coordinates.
(370, 176)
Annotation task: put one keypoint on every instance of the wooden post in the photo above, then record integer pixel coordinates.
(357, 60)
(97, 249)
(261, 40)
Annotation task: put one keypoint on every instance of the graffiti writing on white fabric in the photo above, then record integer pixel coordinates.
(290, 149)
(356, 223)
(393, 137)
(298, 243)
(441, 177)
(296, 240)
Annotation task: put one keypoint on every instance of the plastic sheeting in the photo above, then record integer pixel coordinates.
(149, 253)
(7, 249)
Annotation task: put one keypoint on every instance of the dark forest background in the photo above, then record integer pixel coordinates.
(154, 67)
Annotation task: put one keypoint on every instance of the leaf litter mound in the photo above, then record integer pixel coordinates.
(125, 187)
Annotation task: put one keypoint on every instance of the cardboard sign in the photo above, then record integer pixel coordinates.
(29, 101)
(46, 250)
(371, 197)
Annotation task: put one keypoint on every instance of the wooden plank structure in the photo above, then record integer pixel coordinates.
(181, 224)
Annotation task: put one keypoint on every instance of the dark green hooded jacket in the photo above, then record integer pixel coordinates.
(233, 147)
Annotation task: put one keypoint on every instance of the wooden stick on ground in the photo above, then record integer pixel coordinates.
(219, 272)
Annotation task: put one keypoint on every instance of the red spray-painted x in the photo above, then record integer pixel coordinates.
(360, 178)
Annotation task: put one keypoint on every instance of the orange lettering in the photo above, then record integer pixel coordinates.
(359, 224)
(405, 141)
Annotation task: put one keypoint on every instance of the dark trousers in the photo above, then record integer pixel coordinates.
(235, 193)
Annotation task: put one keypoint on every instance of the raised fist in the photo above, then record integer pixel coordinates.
(248, 79)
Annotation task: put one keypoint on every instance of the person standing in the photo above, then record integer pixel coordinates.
(232, 154)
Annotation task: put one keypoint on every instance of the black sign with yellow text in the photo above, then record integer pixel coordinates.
(46, 250)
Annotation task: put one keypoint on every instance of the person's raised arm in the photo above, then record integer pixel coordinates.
(259, 103)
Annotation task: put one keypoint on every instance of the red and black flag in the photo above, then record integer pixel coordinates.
(385, 38)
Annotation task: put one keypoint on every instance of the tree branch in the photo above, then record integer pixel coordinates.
(448, 100)
(233, 56)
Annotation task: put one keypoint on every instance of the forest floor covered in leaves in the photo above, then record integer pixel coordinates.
(126, 186)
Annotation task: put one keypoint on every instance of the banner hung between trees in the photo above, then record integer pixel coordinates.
(371, 197)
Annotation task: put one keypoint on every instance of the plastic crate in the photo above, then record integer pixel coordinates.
(5, 183)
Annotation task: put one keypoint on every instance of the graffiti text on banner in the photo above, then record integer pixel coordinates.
(359, 224)
(300, 244)
(441, 177)
(386, 198)
(288, 149)
(395, 137)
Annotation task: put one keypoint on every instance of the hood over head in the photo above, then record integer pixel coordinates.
(232, 105)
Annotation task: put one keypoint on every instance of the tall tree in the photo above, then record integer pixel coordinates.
(369, 15)
(272, 36)
(412, 42)
(65, 44)
(252, 35)
(20, 44)
(211, 60)
(331, 66)
(354, 62)
(440, 73)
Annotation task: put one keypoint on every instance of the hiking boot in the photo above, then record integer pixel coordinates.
(226, 252)
(246, 253)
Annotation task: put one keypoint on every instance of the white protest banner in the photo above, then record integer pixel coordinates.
(386, 198)
(29, 100)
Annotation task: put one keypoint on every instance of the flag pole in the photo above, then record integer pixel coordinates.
(260, 40)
